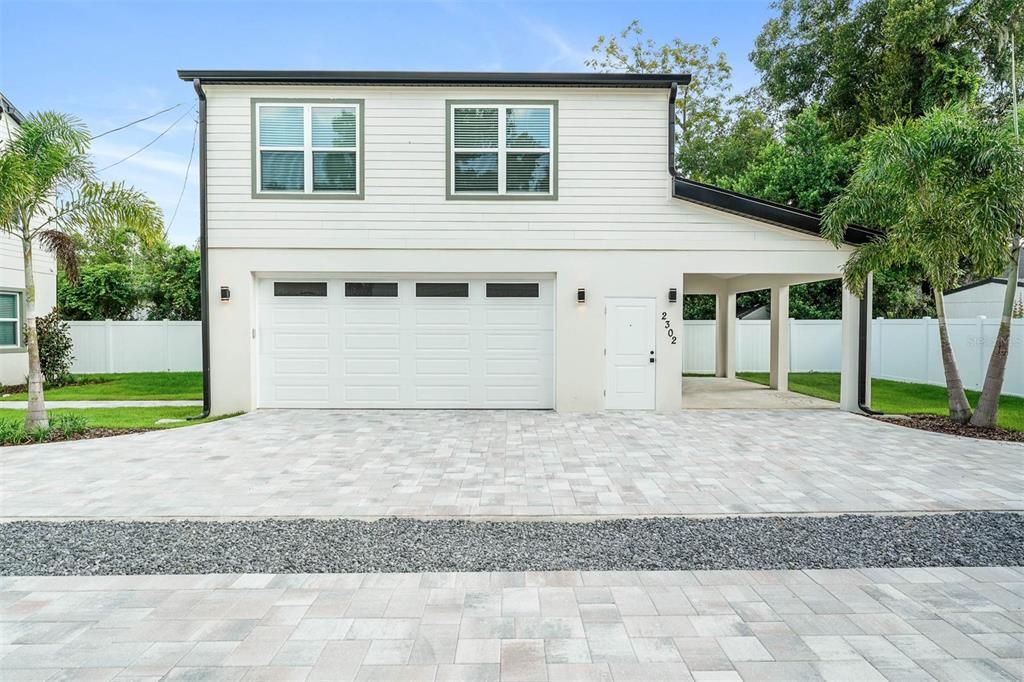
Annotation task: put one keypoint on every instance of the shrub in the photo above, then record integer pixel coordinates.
(69, 425)
(12, 432)
(54, 349)
(39, 434)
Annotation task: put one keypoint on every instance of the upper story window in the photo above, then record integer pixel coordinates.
(307, 149)
(503, 150)
(10, 319)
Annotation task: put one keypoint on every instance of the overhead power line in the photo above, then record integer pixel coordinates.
(127, 125)
(184, 183)
(150, 143)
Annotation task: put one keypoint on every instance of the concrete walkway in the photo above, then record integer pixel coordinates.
(78, 404)
(489, 463)
(866, 625)
(716, 393)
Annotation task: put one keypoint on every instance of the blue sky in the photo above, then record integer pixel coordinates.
(112, 62)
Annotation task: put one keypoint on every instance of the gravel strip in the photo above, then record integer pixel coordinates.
(405, 545)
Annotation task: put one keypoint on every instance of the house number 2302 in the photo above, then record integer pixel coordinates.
(668, 328)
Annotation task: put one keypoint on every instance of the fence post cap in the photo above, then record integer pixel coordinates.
(982, 317)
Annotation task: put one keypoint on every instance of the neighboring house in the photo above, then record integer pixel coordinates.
(984, 297)
(473, 240)
(13, 355)
(758, 312)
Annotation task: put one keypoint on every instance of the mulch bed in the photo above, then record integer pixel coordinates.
(57, 437)
(932, 422)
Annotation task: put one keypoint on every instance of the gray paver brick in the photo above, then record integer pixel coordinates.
(368, 465)
(90, 633)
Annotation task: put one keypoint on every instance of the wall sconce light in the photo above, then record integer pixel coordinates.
(673, 296)
(581, 295)
(225, 293)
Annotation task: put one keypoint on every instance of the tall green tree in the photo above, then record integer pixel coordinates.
(948, 192)
(871, 62)
(104, 291)
(806, 168)
(49, 191)
(171, 284)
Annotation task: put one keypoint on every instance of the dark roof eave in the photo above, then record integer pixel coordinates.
(611, 80)
(11, 110)
(759, 209)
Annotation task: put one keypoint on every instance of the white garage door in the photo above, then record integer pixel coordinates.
(406, 342)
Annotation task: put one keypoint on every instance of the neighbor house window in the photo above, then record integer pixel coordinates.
(10, 319)
(502, 150)
(307, 149)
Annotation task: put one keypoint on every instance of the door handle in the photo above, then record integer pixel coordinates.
(652, 360)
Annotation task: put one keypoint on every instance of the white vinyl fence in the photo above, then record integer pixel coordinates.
(903, 350)
(135, 346)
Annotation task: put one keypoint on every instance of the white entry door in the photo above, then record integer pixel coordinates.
(630, 362)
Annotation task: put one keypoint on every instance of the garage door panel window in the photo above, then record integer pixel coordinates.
(10, 320)
(371, 289)
(513, 290)
(307, 149)
(442, 290)
(504, 150)
(315, 289)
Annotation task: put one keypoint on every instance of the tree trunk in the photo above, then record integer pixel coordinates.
(959, 408)
(36, 416)
(988, 404)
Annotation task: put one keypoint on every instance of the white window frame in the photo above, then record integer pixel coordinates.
(307, 149)
(16, 319)
(501, 150)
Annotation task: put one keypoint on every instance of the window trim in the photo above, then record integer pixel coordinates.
(307, 104)
(19, 298)
(501, 150)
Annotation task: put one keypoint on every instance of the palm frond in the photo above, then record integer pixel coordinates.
(63, 248)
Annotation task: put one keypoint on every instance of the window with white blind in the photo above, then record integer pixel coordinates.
(505, 150)
(10, 319)
(307, 148)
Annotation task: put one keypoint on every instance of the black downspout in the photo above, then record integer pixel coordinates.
(204, 265)
(862, 351)
(862, 355)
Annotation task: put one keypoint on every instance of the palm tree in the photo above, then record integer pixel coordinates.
(988, 403)
(49, 190)
(947, 190)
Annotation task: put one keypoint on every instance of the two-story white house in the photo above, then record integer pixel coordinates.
(13, 353)
(474, 240)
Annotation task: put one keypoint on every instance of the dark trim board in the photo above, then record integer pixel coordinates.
(605, 80)
(758, 209)
(11, 110)
(981, 283)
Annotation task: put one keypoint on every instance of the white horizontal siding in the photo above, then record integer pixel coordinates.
(613, 184)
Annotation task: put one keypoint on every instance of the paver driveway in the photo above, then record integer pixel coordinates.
(947, 624)
(512, 464)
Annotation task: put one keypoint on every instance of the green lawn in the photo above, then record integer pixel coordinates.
(138, 386)
(894, 397)
(124, 417)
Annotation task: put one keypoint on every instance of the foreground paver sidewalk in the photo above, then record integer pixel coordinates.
(869, 624)
(475, 464)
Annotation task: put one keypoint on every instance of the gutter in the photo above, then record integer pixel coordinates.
(862, 236)
(204, 256)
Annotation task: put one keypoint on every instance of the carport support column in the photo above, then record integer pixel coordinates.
(725, 323)
(849, 385)
(779, 362)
